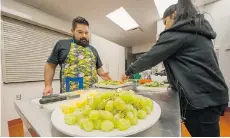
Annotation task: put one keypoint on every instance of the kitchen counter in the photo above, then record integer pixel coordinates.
(168, 125)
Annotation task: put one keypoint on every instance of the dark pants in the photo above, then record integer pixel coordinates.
(204, 122)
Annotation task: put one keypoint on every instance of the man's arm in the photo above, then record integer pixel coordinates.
(104, 75)
(100, 71)
(49, 73)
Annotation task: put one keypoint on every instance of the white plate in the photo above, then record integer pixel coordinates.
(113, 86)
(57, 119)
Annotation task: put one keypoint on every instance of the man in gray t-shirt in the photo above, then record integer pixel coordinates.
(76, 59)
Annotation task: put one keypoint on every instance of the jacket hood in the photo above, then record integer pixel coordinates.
(188, 26)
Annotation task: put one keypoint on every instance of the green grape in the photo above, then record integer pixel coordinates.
(97, 98)
(109, 106)
(129, 107)
(134, 111)
(143, 101)
(147, 109)
(107, 95)
(106, 115)
(90, 102)
(150, 103)
(107, 125)
(70, 119)
(117, 117)
(88, 125)
(86, 110)
(134, 121)
(94, 100)
(141, 114)
(97, 124)
(139, 102)
(78, 115)
(127, 96)
(129, 115)
(115, 111)
(119, 104)
(151, 107)
(123, 124)
(94, 115)
(101, 105)
(81, 122)
(136, 102)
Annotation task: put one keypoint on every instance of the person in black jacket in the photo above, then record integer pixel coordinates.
(187, 51)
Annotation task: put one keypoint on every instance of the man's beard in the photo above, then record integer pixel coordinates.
(82, 42)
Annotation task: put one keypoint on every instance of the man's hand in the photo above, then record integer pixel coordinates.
(105, 76)
(124, 77)
(48, 91)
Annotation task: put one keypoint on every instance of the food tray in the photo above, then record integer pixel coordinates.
(113, 86)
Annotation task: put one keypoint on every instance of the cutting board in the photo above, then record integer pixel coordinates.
(52, 106)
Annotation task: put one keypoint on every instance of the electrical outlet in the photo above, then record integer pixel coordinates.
(18, 97)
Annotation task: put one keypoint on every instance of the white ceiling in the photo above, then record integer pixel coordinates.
(202, 2)
(95, 11)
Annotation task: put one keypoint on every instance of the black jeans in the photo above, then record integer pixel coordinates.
(204, 122)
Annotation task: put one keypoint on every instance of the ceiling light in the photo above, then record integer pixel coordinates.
(162, 5)
(122, 18)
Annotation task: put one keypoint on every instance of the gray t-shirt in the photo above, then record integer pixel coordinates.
(61, 50)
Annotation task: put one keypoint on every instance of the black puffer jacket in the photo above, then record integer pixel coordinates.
(190, 61)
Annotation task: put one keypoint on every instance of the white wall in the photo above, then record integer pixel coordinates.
(142, 48)
(160, 26)
(34, 89)
(112, 56)
(220, 19)
(218, 15)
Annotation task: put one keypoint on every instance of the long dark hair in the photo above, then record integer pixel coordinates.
(184, 10)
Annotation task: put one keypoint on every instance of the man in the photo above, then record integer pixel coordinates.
(76, 58)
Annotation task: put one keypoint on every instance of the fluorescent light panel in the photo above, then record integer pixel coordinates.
(162, 5)
(122, 18)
